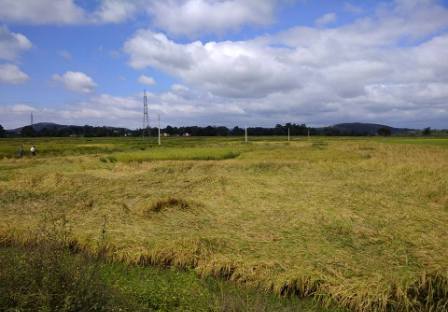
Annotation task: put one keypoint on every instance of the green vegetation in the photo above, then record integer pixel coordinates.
(360, 223)
(419, 141)
(195, 153)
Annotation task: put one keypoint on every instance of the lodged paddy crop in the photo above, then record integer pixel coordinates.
(360, 224)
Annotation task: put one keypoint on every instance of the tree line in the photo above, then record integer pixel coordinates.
(294, 130)
(91, 131)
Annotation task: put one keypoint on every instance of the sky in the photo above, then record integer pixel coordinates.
(224, 62)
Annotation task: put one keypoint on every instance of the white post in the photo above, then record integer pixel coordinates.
(245, 134)
(160, 142)
(289, 136)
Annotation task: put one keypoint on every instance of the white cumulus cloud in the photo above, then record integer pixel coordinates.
(76, 81)
(236, 69)
(67, 12)
(41, 11)
(192, 17)
(179, 17)
(12, 44)
(116, 11)
(11, 74)
(149, 81)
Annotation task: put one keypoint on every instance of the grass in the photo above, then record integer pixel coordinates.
(421, 141)
(193, 153)
(360, 223)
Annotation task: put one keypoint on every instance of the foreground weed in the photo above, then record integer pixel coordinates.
(47, 276)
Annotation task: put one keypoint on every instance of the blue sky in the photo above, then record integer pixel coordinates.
(247, 62)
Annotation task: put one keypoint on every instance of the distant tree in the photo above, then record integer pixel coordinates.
(2, 132)
(237, 131)
(279, 130)
(28, 131)
(222, 131)
(384, 131)
(427, 131)
(170, 130)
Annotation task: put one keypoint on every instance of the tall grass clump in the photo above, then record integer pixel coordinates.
(48, 275)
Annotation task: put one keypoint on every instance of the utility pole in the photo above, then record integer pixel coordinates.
(145, 114)
(31, 119)
(289, 136)
(245, 135)
(159, 141)
(308, 133)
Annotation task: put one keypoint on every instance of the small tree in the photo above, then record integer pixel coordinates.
(384, 131)
(427, 131)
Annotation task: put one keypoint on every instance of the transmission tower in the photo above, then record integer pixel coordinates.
(145, 114)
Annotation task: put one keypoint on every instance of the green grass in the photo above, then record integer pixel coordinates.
(186, 153)
(360, 222)
(419, 141)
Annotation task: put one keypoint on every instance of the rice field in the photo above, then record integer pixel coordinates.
(360, 224)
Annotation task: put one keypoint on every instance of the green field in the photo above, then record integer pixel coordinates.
(359, 223)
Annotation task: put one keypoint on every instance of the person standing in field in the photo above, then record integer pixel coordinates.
(33, 150)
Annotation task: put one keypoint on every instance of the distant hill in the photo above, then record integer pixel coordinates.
(358, 128)
(40, 126)
(53, 127)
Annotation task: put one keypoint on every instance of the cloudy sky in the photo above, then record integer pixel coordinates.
(224, 62)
